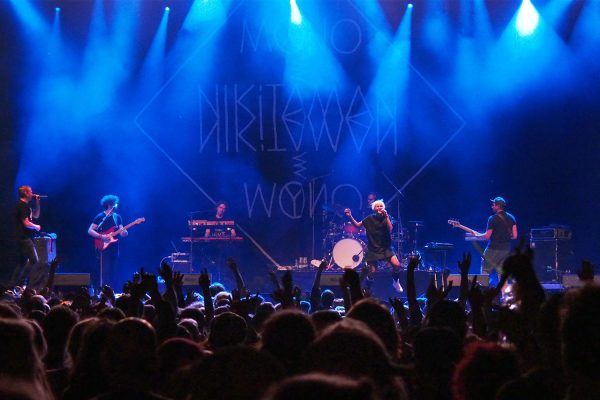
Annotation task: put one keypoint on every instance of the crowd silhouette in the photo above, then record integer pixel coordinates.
(226, 343)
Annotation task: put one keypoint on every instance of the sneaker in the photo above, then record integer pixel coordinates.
(397, 286)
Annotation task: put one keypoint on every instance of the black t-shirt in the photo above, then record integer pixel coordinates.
(23, 211)
(501, 225)
(378, 233)
(108, 223)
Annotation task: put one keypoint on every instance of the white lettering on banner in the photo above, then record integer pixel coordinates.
(271, 118)
(293, 199)
(344, 36)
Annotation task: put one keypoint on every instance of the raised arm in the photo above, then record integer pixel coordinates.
(464, 266)
(315, 292)
(235, 270)
(351, 218)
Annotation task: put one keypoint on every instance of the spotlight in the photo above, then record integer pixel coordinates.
(410, 5)
(57, 9)
(167, 9)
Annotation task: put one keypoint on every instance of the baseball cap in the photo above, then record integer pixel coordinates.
(498, 201)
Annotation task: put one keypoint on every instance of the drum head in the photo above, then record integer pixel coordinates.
(352, 231)
(348, 253)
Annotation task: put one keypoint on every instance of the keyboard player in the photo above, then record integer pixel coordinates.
(220, 230)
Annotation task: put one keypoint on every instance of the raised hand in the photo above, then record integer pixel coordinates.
(178, 280)
(414, 262)
(297, 295)
(445, 275)
(400, 312)
(435, 294)
(109, 293)
(204, 281)
(323, 265)
(149, 283)
(586, 273)
(352, 279)
(465, 264)
(232, 264)
(166, 272)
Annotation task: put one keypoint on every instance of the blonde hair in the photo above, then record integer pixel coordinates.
(380, 201)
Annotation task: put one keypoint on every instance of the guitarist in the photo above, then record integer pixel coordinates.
(104, 223)
(501, 228)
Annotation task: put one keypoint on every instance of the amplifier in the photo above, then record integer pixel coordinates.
(482, 279)
(181, 262)
(551, 233)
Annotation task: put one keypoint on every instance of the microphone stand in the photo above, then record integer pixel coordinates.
(191, 226)
(101, 280)
(400, 227)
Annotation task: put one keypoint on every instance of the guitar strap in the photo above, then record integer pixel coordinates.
(114, 215)
(505, 220)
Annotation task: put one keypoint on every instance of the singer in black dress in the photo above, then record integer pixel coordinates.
(378, 227)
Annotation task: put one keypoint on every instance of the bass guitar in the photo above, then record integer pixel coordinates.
(456, 224)
(112, 232)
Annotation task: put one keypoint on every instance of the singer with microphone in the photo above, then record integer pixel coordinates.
(26, 230)
(378, 227)
(107, 257)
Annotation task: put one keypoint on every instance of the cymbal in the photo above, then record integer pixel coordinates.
(416, 223)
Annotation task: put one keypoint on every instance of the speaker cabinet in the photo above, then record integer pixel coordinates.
(46, 248)
(552, 258)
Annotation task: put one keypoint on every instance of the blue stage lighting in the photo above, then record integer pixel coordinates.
(295, 15)
(167, 9)
(410, 5)
(527, 19)
(57, 9)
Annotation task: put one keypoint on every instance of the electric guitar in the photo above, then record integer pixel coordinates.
(456, 224)
(112, 232)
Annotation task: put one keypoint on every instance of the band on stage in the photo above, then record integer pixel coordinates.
(374, 241)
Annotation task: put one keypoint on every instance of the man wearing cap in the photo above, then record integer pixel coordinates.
(501, 228)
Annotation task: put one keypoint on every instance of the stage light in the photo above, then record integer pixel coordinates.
(295, 16)
(57, 9)
(410, 5)
(167, 9)
(527, 19)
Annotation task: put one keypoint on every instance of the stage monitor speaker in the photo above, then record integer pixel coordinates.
(74, 279)
(553, 288)
(482, 279)
(192, 279)
(331, 279)
(551, 258)
(572, 281)
(70, 282)
(45, 246)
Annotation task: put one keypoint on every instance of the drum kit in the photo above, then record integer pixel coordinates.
(346, 245)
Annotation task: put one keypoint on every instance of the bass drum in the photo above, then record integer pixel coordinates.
(348, 253)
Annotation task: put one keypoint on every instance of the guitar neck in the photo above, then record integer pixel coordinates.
(129, 225)
(466, 229)
(455, 224)
(118, 231)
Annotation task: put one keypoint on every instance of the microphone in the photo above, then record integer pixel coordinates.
(39, 196)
